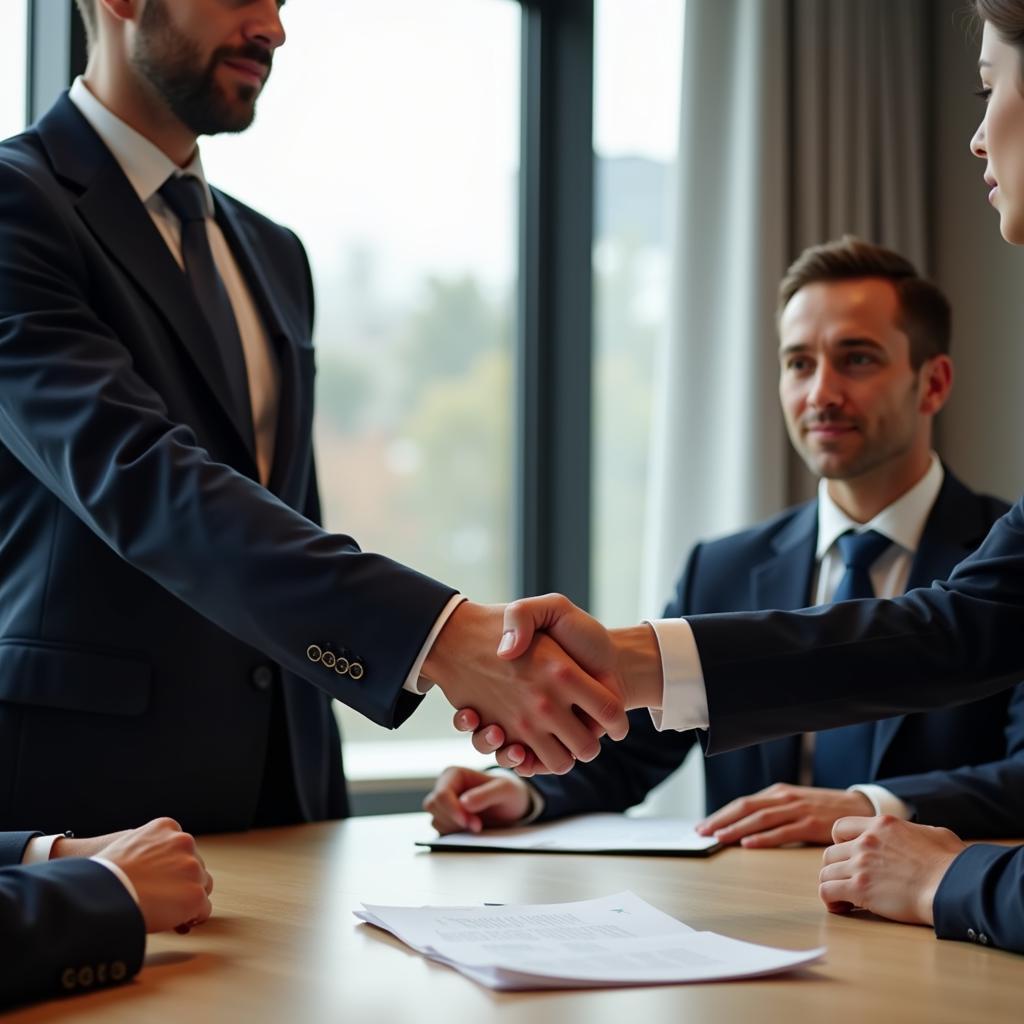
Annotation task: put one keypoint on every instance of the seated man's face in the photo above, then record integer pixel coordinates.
(849, 394)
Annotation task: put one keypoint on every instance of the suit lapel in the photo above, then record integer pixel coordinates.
(111, 209)
(954, 528)
(784, 582)
(265, 296)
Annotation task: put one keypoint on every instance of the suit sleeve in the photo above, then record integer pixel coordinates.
(770, 674)
(12, 846)
(981, 800)
(981, 898)
(75, 413)
(623, 773)
(66, 926)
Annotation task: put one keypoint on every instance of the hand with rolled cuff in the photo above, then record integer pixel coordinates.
(625, 660)
(169, 876)
(888, 866)
(464, 800)
(783, 813)
(539, 698)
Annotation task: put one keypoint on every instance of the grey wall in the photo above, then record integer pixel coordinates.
(981, 433)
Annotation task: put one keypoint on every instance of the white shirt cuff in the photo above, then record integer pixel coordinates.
(38, 849)
(414, 682)
(684, 701)
(121, 876)
(882, 800)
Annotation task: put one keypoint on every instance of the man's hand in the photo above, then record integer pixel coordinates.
(464, 800)
(169, 876)
(887, 866)
(543, 700)
(626, 660)
(783, 814)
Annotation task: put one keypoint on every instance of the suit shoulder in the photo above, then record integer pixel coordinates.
(22, 147)
(992, 508)
(988, 506)
(754, 540)
(24, 165)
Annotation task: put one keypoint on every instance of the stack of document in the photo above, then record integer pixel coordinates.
(603, 943)
(588, 833)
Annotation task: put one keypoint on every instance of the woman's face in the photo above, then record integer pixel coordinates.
(999, 140)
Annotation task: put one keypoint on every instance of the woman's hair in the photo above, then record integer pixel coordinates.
(1006, 17)
(924, 313)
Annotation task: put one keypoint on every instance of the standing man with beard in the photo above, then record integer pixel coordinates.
(173, 623)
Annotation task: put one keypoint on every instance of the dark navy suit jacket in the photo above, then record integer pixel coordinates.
(65, 926)
(953, 768)
(152, 593)
(952, 642)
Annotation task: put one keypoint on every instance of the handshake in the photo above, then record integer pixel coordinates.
(559, 683)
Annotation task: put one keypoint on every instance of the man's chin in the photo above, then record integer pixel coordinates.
(831, 465)
(231, 116)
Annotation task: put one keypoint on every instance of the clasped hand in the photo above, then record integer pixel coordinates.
(550, 708)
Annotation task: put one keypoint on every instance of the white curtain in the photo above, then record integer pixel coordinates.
(800, 120)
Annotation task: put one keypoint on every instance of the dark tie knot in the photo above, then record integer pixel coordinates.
(859, 550)
(184, 195)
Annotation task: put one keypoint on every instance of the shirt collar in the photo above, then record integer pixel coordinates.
(145, 166)
(902, 522)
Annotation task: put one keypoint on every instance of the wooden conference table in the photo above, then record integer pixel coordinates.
(283, 944)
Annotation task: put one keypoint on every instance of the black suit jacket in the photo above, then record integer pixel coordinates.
(65, 926)
(152, 593)
(936, 646)
(953, 767)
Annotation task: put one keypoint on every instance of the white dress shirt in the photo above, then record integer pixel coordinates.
(684, 698)
(39, 849)
(147, 167)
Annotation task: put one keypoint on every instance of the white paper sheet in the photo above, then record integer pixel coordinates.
(613, 941)
(587, 833)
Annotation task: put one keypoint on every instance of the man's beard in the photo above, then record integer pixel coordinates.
(173, 65)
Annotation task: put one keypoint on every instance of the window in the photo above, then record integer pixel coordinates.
(638, 77)
(388, 138)
(13, 67)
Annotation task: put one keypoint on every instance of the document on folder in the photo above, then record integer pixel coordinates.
(587, 833)
(609, 942)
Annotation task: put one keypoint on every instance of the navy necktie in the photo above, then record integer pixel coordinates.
(184, 195)
(842, 756)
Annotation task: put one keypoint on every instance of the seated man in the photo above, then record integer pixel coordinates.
(864, 368)
(74, 912)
